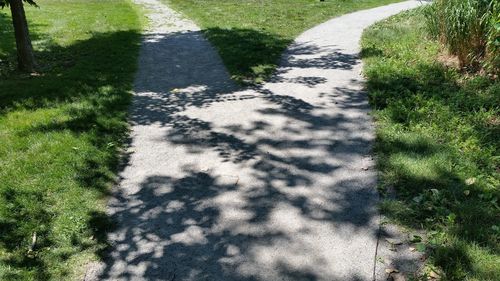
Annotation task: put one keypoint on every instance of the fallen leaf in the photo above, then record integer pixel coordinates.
(391, 270)
(396, 277)
(423, 257)
(394, 241)
(33, 242)
(418, 199)
(416, 238)
(380, 260)
(433, 274)
(470, 181)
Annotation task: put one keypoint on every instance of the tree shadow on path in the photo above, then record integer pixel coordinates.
(273, 182)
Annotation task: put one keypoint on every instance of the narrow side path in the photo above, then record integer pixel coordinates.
(271, 183)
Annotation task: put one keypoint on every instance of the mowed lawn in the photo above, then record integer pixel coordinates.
(438, 147)
(250, 35)
(60, 131)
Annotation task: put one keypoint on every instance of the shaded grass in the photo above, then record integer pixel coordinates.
(250, 35)
(60, 134)
(437, 147)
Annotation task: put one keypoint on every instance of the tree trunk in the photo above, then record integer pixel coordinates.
(25, 57)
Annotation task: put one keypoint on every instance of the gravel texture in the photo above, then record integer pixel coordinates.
(274, 182)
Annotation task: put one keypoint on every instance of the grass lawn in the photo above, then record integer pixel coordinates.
(251, 35)
(438, 147)
(60, 132)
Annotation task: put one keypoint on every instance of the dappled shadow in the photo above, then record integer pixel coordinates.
(94, 97)
(17, 205)
(254, 55)
(68, 77)
(88, 83)
(6, 46)
(176, 232)
(8, 62)
(312, 56)
(257, 183)
(429, 169)
(249, 54)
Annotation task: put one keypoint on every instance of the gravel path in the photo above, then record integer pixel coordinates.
(271, 183)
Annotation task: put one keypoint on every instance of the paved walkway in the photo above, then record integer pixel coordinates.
(272, 183)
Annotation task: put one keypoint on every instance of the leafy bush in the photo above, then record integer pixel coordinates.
(470, 29)
(493, 41)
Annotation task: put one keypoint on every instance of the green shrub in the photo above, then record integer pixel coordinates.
(493, 41)
(469, 29)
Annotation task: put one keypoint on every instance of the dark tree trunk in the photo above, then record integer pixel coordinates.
(25, 57)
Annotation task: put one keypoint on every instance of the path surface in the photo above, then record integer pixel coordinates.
(273, 183)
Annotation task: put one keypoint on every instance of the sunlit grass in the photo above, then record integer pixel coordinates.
(437, 147)
(60, 133)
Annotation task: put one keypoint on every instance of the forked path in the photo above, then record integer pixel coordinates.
(270, 183)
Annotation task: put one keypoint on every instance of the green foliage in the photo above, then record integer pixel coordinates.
(60, 134)
(437, 146)
(251, 35)
(493, 42)
(469, 29)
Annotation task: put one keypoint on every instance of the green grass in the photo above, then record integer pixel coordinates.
(60, 133)
(438, 141)
(251, 35)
